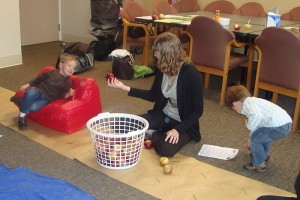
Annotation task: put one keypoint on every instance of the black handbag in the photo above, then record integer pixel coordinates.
(123, 68)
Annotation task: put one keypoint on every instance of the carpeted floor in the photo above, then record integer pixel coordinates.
(219, 126)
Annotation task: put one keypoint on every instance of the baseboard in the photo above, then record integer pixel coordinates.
(10, 61)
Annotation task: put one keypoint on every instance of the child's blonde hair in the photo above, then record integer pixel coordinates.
(171, 52)
(236, 93)
(64, 57)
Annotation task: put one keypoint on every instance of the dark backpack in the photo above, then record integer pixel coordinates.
(105, 13)
(103, 46)
(84, 53)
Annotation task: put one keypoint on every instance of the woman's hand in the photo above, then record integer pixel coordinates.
(115, 83)
(172, 136)
(25, 87)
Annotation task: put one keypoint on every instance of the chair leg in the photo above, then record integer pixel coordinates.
(250, 66)
(223, 90)
(296, 114)
(275, 97)
(256, 89)
(124, 46)
(145, 51)
(124, 43)
(206, 80)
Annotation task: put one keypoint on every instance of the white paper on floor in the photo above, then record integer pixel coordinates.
(218, 152)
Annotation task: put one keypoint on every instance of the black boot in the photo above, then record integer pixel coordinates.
(22, 123)
(17, 100)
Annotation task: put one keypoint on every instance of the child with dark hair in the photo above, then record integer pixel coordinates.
(266, 121)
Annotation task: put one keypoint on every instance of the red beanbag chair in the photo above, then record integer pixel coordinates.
(70, 115)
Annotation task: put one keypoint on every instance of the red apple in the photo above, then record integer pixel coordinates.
(155, 17)
(110, 76)
(237, 27)
(164, 161)
(167, 169)
(148, 144)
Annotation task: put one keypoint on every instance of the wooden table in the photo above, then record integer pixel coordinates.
(182, 20)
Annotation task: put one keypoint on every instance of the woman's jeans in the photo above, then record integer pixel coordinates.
(33, 101)
(261, 139)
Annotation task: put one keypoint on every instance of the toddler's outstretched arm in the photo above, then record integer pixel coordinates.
(69, 93)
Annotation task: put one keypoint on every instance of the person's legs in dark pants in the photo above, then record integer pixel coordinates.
(164, 148)
(156, 120)
(162, 123)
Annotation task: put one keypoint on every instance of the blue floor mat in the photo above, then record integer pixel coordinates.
(24, 184)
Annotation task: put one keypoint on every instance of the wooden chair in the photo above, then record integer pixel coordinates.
(185, 6)
(292, 15)
(251, 9)
(130, 11)
(278, 69)
(223, 6)
(211, 53)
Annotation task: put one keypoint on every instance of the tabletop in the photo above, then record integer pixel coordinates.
(182, 20)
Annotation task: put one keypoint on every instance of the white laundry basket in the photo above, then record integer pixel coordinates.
(118, 139)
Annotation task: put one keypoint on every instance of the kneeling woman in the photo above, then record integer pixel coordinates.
(177, 94)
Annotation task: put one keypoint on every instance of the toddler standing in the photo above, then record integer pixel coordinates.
(266, 121)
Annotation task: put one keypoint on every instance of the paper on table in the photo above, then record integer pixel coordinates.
(186, 22)
(213, 151)
(169, 20)
(171, 16)
(145, 17)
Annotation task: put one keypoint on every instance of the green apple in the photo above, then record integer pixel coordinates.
(167, 169)
(164, 161)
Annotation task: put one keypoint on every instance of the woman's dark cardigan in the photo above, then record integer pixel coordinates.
(189, 99)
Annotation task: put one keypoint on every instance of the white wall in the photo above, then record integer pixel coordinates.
(10, 36)
(75, 21)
